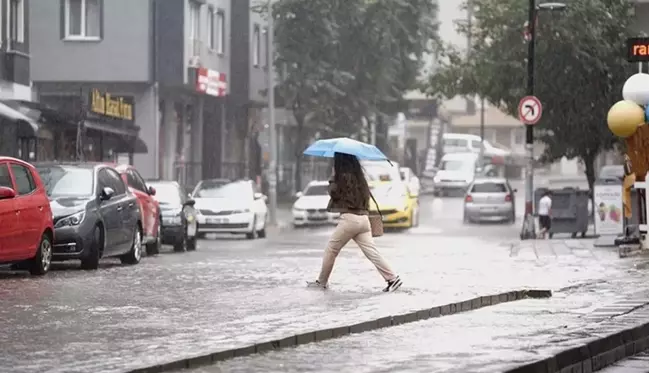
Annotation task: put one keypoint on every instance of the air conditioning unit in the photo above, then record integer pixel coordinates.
(194, 61)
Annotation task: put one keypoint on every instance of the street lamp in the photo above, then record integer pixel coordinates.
(529, 230)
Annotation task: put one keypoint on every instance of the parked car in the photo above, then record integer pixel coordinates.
(310, 208)
(411, 180)
(235, 207)
(456, 172)
(27, 230)
(490, 198)
(149, 207)
(95, 215)
(398, 207)
(179, 225)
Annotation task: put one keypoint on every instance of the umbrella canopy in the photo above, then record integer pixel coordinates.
(328, 147)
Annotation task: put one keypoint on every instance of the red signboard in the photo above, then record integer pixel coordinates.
(211, 82)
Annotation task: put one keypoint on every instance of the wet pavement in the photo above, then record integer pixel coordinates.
(636, 364)
(492, 339)
(234, 292)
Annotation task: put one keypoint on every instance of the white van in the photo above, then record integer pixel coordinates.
(456, 172)
(463, 143)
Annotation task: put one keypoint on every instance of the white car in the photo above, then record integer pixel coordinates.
(411, 180)
(311, 206)
(234, 207)
(456, 173)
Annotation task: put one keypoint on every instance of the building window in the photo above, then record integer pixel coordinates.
(220, 31)
(256, 46)
(17, 21)
(83, 19)
(195, 20)
(211, 25)
(266, 50)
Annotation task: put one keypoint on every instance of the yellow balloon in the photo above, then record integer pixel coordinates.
(625, 117)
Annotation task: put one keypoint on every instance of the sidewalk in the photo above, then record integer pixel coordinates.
(493, 339)
(244, 292)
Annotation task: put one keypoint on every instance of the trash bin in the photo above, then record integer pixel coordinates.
(569, 210)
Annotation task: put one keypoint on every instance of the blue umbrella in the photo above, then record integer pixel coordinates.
(328, 147)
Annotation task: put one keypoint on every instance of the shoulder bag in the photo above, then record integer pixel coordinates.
(376, 221)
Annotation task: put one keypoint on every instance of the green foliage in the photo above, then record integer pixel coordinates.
(579, 68)
(342, 59)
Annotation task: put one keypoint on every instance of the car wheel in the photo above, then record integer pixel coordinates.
(191, 243)
(41, 262)
(252, 235)
(134, 256)
(181, 246)
(262, 232)
(153, 248)
(91, 260)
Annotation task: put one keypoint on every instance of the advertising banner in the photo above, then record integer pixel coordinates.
(609, 218)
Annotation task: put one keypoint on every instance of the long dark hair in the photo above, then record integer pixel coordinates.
(349, 164)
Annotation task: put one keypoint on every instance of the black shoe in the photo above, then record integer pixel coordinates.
(393, 285)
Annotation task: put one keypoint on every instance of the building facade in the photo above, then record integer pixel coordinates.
(169, 62)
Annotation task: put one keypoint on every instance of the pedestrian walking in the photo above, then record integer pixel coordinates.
(350, 196)
(545, 210)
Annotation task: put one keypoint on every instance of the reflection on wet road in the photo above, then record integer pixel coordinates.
(233, 292)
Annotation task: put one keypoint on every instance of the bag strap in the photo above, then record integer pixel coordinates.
(377, 206)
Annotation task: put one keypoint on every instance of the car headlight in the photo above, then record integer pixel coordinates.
(72, 220)
(436, 179)
(244, 211)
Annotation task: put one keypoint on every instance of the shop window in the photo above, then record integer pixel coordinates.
(83, 19)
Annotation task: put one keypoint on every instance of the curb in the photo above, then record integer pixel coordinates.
(593, 356)
(330, 333)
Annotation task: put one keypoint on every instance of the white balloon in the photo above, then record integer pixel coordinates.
(636, 89)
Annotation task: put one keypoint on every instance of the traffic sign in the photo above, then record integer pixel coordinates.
(529, 109)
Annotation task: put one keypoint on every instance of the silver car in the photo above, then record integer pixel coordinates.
(490, 199)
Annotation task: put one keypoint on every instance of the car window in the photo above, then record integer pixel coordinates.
(62, 181)
(489, 188)
(24, 180)
(168, 194)
(317, 190)
(134, 181)
(240, 190)
(476, 144)
(111, 179)
(5, 177)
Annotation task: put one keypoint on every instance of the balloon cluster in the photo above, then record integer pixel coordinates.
(627, 115)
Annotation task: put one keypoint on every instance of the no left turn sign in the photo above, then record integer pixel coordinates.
(529, 110)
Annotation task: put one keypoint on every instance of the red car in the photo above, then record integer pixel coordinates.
(26, 228)
(148, 205)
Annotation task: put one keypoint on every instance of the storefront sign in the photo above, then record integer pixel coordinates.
(609, 216)
(211, 82)
(637, 49)
(118, 107)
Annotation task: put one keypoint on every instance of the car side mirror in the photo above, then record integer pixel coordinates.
(151, 191)
(190, 202)
(106, 194)
(299, 195)
(7, 193)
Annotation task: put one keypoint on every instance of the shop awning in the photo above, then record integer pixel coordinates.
(27, 127)
(131, 143)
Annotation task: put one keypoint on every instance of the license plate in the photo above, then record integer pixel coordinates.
(217, 221)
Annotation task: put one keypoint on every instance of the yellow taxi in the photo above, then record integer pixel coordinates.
(399, 208)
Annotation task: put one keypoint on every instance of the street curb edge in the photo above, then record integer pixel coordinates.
(340, 331)
(594, 355)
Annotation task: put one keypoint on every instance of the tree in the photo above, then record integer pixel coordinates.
(579, 70)
(341, 60)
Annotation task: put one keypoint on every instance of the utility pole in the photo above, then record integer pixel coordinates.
(482, 109)
(272, 169)
(529, 228)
